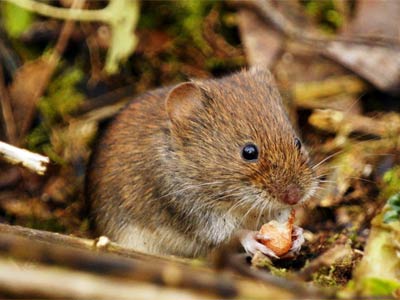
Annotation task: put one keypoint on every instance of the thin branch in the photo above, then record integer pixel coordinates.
(119, 95)
(80, 243)
(63, 13)
(338, 85)
(30, 160)
(66, 31)
(169, 273)
(387, 126)
(35, 281)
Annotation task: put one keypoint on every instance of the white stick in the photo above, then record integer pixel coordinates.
(35, 162)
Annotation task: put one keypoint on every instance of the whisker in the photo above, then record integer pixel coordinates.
(266, 203)
(260, 205)
(230, 194)
(361, 179)
(319, 188)
(327, 181)
(344, 150)
(253, 206)
(354, 103)
(327, 158)
(237, 205)
(322, 175)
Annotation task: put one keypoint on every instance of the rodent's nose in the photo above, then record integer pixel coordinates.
(292, 195)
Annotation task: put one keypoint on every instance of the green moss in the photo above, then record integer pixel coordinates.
(62, 96)
(61, 99)
(184, 22)
(372, 286)
(195, 12)
(325, 277)
(281, 272)
(49, 225)
(325, 13)
(15, 19)
(182, 19)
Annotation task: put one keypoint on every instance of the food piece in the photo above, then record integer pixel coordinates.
(279, 235)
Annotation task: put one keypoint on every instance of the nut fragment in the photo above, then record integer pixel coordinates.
(279, 235)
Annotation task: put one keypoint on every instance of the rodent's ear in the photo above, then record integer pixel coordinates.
(183, 100)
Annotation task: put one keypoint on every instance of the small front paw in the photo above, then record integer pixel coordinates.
(297, 238)
(250, 242)
(297, 242)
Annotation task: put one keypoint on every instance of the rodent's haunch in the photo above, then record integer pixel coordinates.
(185, 167)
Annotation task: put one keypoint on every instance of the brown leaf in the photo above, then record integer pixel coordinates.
(379, 64)
(29, 84)
(261, 42)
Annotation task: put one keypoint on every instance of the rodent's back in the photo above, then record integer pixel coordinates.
(169, 174)
(122, 166)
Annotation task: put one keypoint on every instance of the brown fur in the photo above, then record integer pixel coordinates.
(175, 183)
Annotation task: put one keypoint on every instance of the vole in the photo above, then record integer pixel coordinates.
(184, 168)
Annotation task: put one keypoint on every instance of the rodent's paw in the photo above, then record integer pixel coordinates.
(297, 242)
(297, 238)
(250, 243)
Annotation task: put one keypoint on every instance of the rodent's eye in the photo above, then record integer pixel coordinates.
(297, 143)
(250, 152)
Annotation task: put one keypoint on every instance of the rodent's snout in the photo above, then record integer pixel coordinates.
(292, 195)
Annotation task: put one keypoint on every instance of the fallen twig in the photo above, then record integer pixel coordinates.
(78, 243)
(29, 281)
(33, 161)
(305, 91)
(111, 265)
(120, 15)
(336, 121)
(162, 271)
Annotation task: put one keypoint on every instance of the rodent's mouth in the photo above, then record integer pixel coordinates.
(260, 204)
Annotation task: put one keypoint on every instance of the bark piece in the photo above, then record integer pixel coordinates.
(380, 65)
(262, 43)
